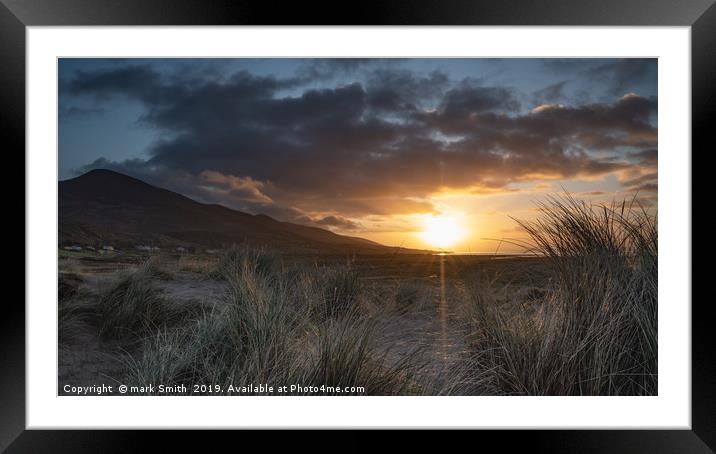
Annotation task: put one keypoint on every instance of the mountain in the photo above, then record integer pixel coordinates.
(103, 207)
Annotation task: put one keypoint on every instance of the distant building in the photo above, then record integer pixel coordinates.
(108, 248)
(180, 249)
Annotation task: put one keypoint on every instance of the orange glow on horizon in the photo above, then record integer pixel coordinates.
(442, 231)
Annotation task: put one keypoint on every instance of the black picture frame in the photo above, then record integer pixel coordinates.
(16, 15)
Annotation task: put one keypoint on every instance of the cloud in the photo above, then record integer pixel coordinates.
(402, 91)
(567, 65)
(470, 98)
(613, 77)
(338, 221)
(136, 81)
(647, 157)
(644, 183)
(74, 112)
(380, 145)
(328, 68)
(134, 167)
(550, 93)
(623, 74)
(242, 188)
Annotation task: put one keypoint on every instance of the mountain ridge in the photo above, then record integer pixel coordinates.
(105, 207)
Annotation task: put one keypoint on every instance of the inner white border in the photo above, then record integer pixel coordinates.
(670, 409)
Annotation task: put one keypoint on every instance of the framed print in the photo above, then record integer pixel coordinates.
(434, 218)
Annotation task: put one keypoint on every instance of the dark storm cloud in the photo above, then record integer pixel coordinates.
(164, 96)
(401, 90)
(551, 140)
(379, 146)
(471, 98)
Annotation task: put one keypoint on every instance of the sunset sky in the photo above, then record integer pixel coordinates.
(422, 153)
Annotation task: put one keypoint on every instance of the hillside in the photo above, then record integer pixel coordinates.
(106, 207)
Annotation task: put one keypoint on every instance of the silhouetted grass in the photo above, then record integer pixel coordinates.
(346, 356)
(408, 295)
(595, 332)
(277, 326)
(340, 287)
(133, 306)
(158, 268)
(74, 318)
(581, 320)
(68, 285)
(237, 257)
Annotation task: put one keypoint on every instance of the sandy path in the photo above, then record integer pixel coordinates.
(434, 331)
(429, 331)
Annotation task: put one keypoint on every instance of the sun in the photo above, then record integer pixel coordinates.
(442, 231)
